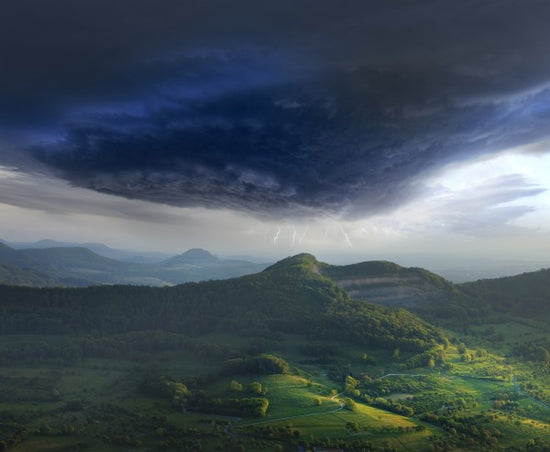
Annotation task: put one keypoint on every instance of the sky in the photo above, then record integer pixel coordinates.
(351, 129)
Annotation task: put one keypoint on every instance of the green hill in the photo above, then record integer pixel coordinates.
(526, 295)
(387, 283)
(67, 257)
(79, 266)
(17, 276)
(284, 359)
(290, 296)
(9, 256)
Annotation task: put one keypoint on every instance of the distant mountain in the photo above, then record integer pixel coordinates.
(68, 266)
(9, 256)
(78, 266)
(17, 276)
(73, 258)
(198, 264)
(143, 257)
(194, 256)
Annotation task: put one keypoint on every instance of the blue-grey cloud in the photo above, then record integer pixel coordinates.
(291, 108)
(345, 143)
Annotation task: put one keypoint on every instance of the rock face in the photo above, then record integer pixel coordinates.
(390, 284)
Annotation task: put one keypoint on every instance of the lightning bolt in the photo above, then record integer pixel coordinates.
(293, 237)
(346, 237)
(276, 236)
(303, 236)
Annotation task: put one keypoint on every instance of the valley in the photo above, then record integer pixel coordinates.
(286, 359)
(78, 266)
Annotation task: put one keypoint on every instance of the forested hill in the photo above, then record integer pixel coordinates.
(18, 276)
(79, 266)
(291, 296)
(527, 295)
(390, 284)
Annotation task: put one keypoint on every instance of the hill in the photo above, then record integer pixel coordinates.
(437, 300)
(76, 259)
(526, 295)
(193, 256)
(198, 265)
(144, 257)
(79, 266)
(387, 283)
(290, 296)
(17, 276)
(283, 359)
(9, 256)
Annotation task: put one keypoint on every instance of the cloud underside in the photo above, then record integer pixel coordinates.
(289, 109)
(346, 145)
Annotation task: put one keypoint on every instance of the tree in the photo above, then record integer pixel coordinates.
(349, 404)
(255, 388)
(235, 386)
(350, 385)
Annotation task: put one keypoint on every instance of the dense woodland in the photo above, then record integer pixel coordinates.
(527, 294)
(288, 297)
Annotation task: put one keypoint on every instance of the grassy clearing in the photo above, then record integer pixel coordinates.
(112, 405)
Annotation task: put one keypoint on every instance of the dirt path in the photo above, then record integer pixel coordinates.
(341, 407)
(522, 392)
(400, 375)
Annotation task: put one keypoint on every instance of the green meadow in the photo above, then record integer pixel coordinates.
(100, 405)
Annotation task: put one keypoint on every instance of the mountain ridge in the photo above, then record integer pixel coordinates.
(279, 299)
(388, 283)
(80, 266)
(527, 294)
(98, 248)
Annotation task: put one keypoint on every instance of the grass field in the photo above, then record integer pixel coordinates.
(97, 404)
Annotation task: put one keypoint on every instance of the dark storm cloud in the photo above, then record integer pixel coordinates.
(278, 108)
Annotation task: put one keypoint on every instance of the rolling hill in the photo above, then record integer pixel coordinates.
(387, 283)
(79, 266)
(143, 257)
(290, 296)
(526, 295)
(17, 276)
(284, 359)
(439, 301)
